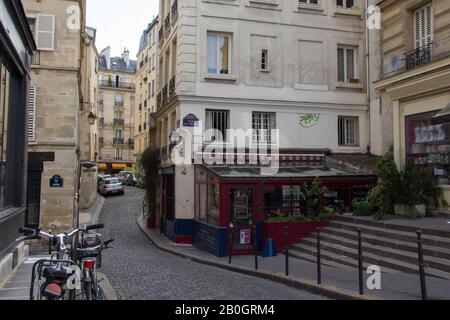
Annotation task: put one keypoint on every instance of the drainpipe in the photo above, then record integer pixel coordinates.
(368, 89)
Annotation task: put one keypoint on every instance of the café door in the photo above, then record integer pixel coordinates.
(242, 215)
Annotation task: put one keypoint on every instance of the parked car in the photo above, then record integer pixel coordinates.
(123, 175)
(131, 180)
(111, 186)
(100, 180)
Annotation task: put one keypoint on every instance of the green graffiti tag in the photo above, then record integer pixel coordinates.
(309, 120)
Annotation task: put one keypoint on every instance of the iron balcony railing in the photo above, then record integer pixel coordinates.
(119, 141)
(174, 10)
(118, 104)
(159, 100)
(434, 51)
(114, 84)
(172, 86)
(161, 33)
(119, 122)
(164, 94)
(167, 23)
(419, 56)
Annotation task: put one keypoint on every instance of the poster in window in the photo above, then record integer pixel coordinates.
(245, 237)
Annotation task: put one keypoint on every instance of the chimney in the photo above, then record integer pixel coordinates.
(106, 53)
(126, 57)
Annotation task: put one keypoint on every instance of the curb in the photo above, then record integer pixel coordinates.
(298, 283)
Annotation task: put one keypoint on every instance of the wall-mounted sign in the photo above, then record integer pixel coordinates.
(190, 120)
(56, 182)
(245, 236)
(309, 120)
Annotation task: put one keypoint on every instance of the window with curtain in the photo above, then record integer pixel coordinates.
(219, 53)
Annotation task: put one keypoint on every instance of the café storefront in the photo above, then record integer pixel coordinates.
(240, 197)
(16, 48)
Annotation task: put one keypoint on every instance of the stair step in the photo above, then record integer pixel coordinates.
(392, 234)
(392, 226)
(349, 257)
(350, 238)
(385, 252)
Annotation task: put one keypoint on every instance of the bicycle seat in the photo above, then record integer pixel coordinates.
(57, 273)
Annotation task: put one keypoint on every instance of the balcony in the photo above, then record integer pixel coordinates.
(161, 34)
(114, 84)
(174, 10)
(172, 86)
(434, 51)
(119, 122)
(118, 104)
(164, 95)
(118, 141)
(167, 24)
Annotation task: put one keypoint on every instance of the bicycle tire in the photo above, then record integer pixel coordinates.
(87, 291)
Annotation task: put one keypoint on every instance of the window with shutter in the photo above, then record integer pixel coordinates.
(45, 32)
(423, 26)
(32, 114)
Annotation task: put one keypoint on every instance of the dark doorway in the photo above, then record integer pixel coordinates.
(33, 199)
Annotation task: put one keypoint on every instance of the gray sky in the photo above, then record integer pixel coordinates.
(120, 23)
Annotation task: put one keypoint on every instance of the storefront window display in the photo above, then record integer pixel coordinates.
(428, 144)
(283, 199)
(207, 192)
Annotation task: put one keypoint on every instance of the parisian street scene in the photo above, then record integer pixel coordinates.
(224, 150)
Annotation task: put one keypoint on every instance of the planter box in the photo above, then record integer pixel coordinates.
(297, 231)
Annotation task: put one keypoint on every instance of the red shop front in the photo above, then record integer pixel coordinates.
(239, 197)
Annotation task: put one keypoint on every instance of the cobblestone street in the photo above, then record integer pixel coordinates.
(138, 270)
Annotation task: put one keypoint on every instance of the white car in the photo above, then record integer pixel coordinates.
(112, 186)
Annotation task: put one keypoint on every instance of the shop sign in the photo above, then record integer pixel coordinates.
(309, 120)
(190, 120)
(56, 182)
(245, 236)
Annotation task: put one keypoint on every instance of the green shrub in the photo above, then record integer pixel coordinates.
(363, 208)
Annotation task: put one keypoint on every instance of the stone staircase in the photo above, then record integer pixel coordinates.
(392, 247)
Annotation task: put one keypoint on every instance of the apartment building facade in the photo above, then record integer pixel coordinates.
(55, 109)
(116, 99)
(415, 82)
(89, 147)
(294, 66)
(146, 87)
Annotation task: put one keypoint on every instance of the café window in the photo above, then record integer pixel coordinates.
(4, 106)
(428, 144)
(284, 200)
(207, 197)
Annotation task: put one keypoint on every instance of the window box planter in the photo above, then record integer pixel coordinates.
(297, 231)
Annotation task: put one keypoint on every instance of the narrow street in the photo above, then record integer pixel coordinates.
(138, 270)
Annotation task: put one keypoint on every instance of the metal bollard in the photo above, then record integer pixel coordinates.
(286, 239)
(255, 244)
(423, 283)
(360, 263)
(231, 244)
(319, 258)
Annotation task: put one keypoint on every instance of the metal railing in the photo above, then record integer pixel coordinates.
(161, 34)
(119, 141)
(434, 51)
(114, 84)
(167, 23)
(119, 122)
(172, 86)
(174, 10)
(159, 100)
(164, 94)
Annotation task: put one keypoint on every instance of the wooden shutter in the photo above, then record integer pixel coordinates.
(423, 26)
(32, 114)
(45, 32)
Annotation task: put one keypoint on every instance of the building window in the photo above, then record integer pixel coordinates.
(348, 134)
(118, 154)
(309, 2)
(4, 107)
(219, 54)
(347, 65)
(263, 124)
(345, 4)
(217, 124)
(264, 60)
(423, 26)
(118, 100)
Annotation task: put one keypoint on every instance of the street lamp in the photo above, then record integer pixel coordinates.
(91, 118)
(174, 137)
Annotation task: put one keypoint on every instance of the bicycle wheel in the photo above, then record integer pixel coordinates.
(87, 288)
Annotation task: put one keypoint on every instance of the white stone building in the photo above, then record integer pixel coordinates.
(296, 66)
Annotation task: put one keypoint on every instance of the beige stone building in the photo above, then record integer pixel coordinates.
(146, 86)
(116, 99)
(89, 147)
(299, 67)
(57, 105)
(415, 82)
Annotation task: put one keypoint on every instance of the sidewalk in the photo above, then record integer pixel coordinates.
(17, 285)
(337, 282)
